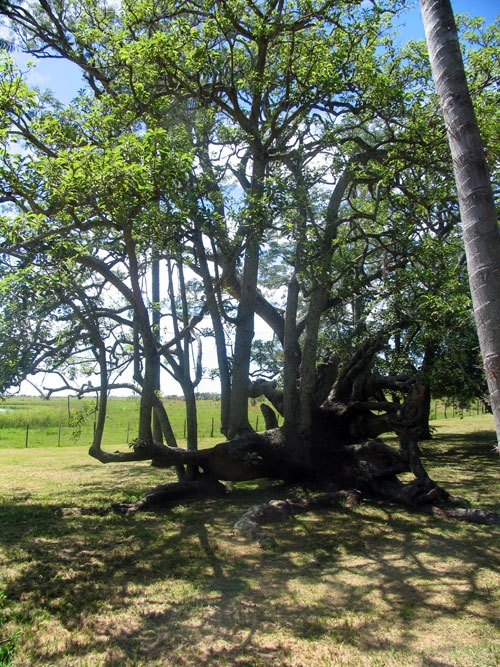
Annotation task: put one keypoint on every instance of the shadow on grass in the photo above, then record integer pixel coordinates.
(466, 465)
(179, 588)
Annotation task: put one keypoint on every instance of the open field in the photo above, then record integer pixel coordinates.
(374, 586)
(62, 421)
(67, 421)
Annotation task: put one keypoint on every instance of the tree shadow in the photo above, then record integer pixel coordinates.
(466, 465)
(179, 587)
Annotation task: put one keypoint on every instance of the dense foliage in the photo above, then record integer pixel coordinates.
(285, 160)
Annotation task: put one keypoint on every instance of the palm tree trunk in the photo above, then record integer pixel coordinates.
(477, 208)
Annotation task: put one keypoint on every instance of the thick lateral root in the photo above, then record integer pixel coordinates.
(277, 511)
(165, 494)
(469, 514)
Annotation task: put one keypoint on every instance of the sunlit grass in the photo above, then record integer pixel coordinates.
(372, 586)
(39, 423)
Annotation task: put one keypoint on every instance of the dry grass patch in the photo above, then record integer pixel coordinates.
(373, 586)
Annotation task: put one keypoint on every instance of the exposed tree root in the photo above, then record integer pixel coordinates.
(167, 493)
(468, 514)
(340, 449)
(277, 511)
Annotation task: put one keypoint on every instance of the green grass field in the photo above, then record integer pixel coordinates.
(38, 423)
(34, 422)
(375, 586)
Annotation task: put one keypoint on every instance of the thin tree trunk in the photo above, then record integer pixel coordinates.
(317, 304)
(103, 399)
(243, 342)
(188, 386)
(156, 320)
(218, 332)
(246, 308)
(291, 360)
(479, 218)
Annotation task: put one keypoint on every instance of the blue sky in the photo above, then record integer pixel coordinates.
(413, 28)
(64, 78)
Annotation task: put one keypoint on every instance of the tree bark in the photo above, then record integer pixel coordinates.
(479, 218)
(343, 450)
(246, 308)
(156, 321)
(180, 364)
(288, 401)
(218, 331)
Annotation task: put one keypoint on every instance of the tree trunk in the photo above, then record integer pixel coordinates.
(238, 418)
(289, 401)
(103, 398)
(156, 321)
(336, 462)
(246, 308)
(479, 218)
(214, 309)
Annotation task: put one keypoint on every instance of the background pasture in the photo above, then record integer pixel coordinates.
(67, 421)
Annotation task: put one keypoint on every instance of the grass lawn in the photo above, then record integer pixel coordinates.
(372, 586)
(34, 422)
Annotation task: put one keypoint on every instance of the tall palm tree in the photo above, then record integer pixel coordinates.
(477, 208)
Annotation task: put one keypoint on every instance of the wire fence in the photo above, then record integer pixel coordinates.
(444, 410)
(64, 434)
(125, 432)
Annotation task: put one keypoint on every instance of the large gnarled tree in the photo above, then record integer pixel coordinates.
(305, 139)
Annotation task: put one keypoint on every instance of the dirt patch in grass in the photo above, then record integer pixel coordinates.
(372, 586)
